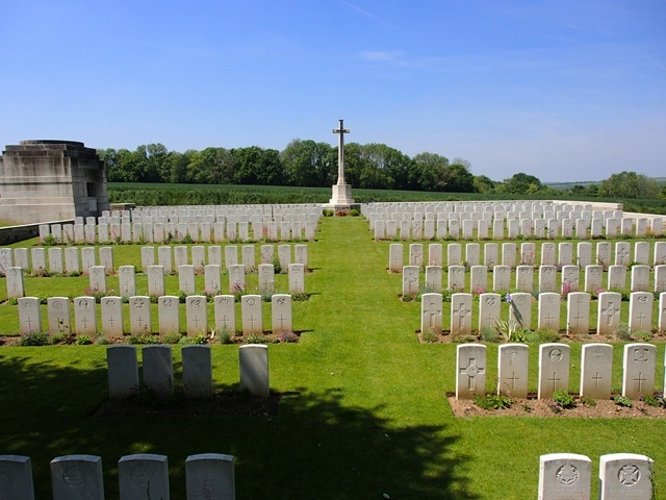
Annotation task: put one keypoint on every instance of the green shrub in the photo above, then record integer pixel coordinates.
(564, 400)
(172, 338)
(493, 402)
(34, 339)
(655, 401)
(623, 401)
(589, 402)
(256, 338)
(83, 340)
(429, 337)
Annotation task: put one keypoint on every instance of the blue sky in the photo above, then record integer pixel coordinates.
(564, 90)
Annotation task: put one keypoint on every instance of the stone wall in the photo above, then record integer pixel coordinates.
(44, 180)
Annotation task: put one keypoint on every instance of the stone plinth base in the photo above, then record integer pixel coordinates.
(342, 197)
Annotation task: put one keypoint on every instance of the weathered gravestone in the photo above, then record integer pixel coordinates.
(158, 369)
(16, 478)
(197, 371)
(77, 477)
(126, 281)
(122, 371)
(210, 476)
(640, 311)
(59, 315)
(253, 360)
(143, 476)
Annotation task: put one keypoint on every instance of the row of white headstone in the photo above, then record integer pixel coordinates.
(638, 367)
(622, 476)
(519, 307)
(140, 476)
(212, 213)
(140, 316)
(515, 229)
(158, 378)
(80, 259)
(198, 232)
(642, 279)
(186, 280)
(551, 254)
(512, 229)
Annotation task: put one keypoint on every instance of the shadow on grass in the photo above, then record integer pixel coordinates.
(317, 446)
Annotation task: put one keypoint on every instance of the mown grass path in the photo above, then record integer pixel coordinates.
(363, 411)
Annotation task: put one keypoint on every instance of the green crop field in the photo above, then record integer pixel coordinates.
(147, 194)
(362, 413)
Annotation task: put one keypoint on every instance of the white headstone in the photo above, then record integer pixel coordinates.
(59, 315)
(155, 277)
(638, 370)
(549, 311)
(225, 314)
(593, 279)
(640, 311)
(461, 313)
(548, 278)
(296, 278)
(85, 317)
(564, 476)
(112, 316)
(553, 369)
(251, 314)
(168, 312)
(186, 283)
(512, 362)
(596, 371)
(281, 314)
(578, 313)
(608, 315)
(624, 476)
(97, 279)
(139, 313)
(126, 281)
(431, 313)
(470, 371)
(520, 309)
(236, 278)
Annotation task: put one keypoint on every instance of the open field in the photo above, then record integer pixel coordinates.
(146, 194)
(363, 410)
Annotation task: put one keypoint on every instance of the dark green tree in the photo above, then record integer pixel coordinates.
(628, 185)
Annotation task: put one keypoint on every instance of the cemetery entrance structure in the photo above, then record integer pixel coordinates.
(45, 180)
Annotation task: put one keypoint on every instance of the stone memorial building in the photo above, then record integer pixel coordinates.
(48, 180)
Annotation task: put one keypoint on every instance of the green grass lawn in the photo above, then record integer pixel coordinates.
(363, 411)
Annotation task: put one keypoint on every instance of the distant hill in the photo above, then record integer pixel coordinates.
(569, 185)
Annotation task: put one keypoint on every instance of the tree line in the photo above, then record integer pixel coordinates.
(314, 164)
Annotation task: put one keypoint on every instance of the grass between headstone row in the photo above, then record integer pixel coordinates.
(363, 411)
